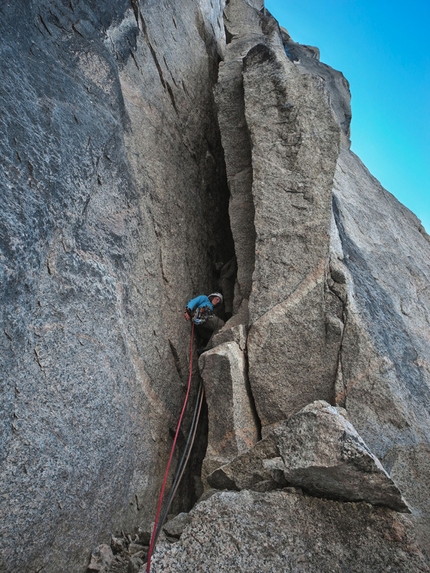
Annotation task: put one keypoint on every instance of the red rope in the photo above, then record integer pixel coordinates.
(172, 449)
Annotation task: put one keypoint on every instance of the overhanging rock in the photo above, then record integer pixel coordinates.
(318, 450)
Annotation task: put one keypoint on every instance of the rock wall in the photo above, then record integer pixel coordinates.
(145, 144)
(333, 293)
(113, 193)
(381, 269)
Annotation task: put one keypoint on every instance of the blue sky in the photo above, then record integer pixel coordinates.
(382, 48)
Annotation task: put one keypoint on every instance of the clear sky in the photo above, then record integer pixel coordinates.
(382, 48)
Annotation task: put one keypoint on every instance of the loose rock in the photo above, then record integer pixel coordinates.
(101, 558)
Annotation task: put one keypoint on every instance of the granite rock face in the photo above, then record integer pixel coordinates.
(255, 532)
(381, 268)
(307, 61)
(109, 148)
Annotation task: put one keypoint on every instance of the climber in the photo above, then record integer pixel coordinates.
(201, 311)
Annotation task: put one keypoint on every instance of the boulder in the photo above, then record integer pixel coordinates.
(323, 453)
(285, 531)
(316, 449)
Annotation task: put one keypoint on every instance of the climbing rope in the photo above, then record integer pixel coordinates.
(184, 460)
(158, 523)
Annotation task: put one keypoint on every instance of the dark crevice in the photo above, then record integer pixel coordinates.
(228, 36)
(77, 31)
(257, 419)
(191, 487)
(132, 53)
(334, 288)
(135, 7)
(44, 25)
(134, 59)
(222, 266)
(172, 97)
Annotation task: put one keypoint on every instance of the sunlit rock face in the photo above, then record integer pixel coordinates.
(338, 307)
(381, 268)
(144, 146)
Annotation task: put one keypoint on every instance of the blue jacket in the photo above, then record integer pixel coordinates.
(199, 302)
(202, 303)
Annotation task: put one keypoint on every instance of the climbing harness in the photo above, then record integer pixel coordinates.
(161, 516)
(201, 314)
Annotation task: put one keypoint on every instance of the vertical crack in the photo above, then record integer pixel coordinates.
(164, 83)
(236, 141)
(154, 55)
(135, 7)
(252, 403)
(337, 287)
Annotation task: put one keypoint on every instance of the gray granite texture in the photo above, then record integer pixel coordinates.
(112, 190)
(232, 427)
(318, 450)
(338, 294)
(323, 454)
(146, 145)
(286, 531)
(380, 267)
